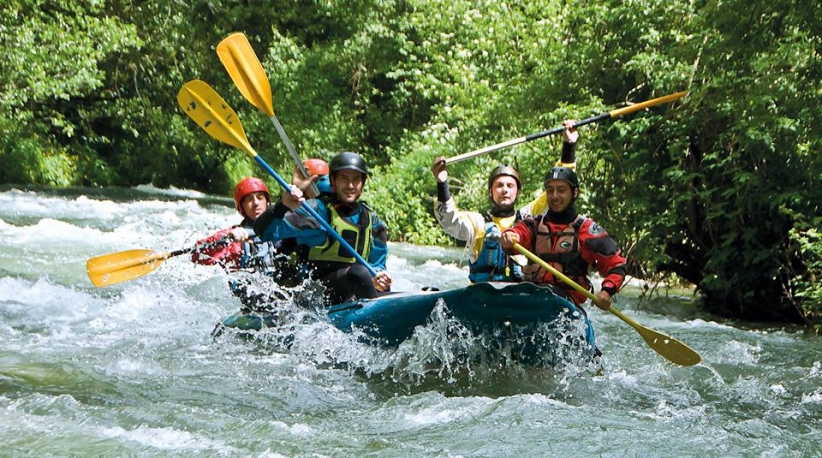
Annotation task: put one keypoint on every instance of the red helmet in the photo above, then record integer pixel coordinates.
(248, 186)
(316, 166)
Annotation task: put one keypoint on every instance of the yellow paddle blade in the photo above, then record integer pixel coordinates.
(202, 104)
(666, 346)
(246, 71)
(646, 104)
(109, 269)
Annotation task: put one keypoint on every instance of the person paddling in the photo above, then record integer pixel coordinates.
(251, 198)
(228, 246)
(487, 261)
(237, 248)
(322, 255)
(568, 241)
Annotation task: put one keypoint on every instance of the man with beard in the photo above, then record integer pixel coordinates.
(321, 254)
(487, 261)
(570, 242)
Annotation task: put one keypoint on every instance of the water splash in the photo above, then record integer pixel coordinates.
(442, 351)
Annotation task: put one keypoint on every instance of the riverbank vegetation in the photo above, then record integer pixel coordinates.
(721, 188)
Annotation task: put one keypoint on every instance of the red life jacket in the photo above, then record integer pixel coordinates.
(558, 245)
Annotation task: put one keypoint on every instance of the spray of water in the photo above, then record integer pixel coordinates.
(443, 351)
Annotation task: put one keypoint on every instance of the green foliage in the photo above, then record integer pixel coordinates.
(720, 182)
(804, 281)
(49, 83)
(720, 189)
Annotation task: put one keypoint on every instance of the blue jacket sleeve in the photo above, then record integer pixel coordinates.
(379, 247)
(299, 224)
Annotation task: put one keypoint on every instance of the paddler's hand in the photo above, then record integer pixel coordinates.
(507, 240)
(440, 169)
(603, 300)
(238, 234)
(382, 281)
(570, 133)
(304, 183)
(294, 198)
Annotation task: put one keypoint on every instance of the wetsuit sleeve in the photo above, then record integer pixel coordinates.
(443, 193)
(524, 229)
(378, 254)
(301, 225)
(601, 251)
(569, 156)
(267, 218)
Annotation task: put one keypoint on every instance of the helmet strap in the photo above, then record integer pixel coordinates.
(499, 212)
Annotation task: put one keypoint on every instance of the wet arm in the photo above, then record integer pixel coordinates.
(605, 255)
(278, 222)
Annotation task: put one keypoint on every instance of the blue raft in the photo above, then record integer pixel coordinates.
(511, 313)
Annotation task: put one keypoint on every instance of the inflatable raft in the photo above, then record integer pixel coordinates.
(523, 318)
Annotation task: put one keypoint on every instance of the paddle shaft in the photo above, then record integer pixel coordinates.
(245, 69)
(600, 117)
(555, 272)
(290, 147)
(666, 346)
(224, 126)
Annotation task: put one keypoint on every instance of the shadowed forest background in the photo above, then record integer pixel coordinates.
(720, 189)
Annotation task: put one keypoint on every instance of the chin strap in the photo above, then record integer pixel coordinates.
(500, 213)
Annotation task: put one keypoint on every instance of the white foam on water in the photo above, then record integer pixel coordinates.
(165, 438)
(814, 397)
(170, 191)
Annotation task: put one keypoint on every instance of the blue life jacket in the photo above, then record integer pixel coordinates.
(267, 258)
(492, 263)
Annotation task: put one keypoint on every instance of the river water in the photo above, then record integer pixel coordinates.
(131, 369)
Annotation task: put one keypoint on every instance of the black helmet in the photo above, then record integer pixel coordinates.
(562, 173)
(348, 161)
(504, 170)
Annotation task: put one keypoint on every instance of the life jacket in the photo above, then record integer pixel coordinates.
(271, 259)
(331, 255)
(561, 250)
(258, 255)
(492, 263)
(251, 247)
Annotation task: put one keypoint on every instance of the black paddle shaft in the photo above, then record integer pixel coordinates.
(556, 130)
